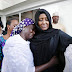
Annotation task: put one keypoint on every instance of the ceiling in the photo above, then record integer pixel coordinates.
(8, 7)
(8, 3)
(4, 4)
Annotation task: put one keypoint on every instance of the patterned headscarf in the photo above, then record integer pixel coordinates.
(19, 27)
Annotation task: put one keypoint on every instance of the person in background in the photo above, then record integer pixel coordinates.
(17, 54)
(1, 27)
(56, 24)
(11, 23)
(48, 44)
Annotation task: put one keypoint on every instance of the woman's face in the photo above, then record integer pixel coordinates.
(43, 22)
(13, 24)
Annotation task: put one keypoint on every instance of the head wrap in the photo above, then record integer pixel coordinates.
(41, 11)
(19, 27)
(43, 34)
(55, 14)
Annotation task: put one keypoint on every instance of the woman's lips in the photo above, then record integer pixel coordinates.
(44, 26)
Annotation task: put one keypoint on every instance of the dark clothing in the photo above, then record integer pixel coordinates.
(44, 50)
(4, 32)
(48, 43)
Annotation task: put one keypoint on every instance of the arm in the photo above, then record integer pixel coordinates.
(65, 40)
(51, 63)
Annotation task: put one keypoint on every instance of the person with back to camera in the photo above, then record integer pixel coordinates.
(11, 23)
(17, 54)
(1, 27)
(48, 44)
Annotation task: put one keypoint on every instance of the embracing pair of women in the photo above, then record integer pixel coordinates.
(47, 46)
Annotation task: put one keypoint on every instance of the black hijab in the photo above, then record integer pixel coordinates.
(41, 11)
(43, 34)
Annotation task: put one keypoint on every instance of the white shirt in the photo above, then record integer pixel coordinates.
(59, 26)
(68, 57)
(17, 55)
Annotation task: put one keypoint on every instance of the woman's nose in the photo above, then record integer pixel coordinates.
(44, 21)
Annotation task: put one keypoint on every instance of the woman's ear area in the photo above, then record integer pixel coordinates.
(8, 26)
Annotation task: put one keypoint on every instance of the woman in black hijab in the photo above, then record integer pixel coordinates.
(48, 45)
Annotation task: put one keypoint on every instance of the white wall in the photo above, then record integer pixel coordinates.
(3, 19)
(24, 7)
(1, 13)
(65, 11)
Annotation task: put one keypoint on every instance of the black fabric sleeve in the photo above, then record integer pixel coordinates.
(64, 41)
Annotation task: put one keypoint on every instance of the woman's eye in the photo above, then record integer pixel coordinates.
(40, 20)
(14, 26)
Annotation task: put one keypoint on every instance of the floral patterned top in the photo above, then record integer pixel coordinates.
(2, 43)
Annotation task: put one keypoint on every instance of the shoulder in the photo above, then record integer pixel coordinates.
(10, 40)
(63, 34)
(9, 44)
(55, 31)
(13, 39)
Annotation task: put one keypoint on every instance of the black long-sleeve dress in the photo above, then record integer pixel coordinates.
(44, 48)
